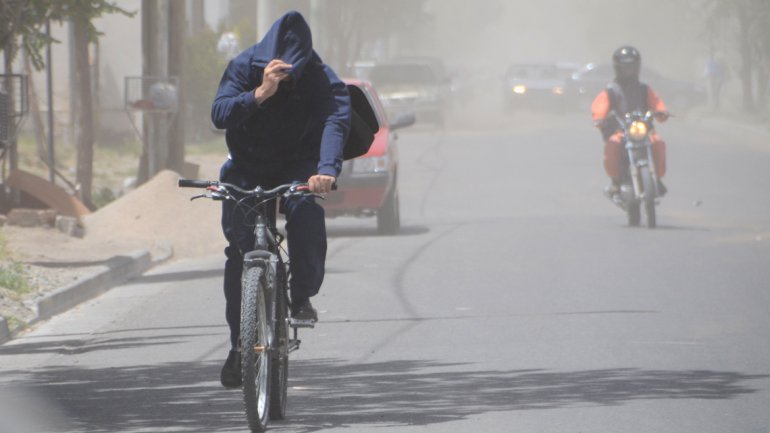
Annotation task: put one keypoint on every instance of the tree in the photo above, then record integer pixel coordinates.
(22, 25)
(742, 25)
(353, 29)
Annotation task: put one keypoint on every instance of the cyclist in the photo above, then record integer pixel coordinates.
(286, 116)
(624, 95)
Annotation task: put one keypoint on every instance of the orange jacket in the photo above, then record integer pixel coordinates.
(601, 105)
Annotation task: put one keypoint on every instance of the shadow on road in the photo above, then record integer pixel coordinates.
(360, 232)
(330, 393)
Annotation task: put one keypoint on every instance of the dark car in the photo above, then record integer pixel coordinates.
(585, 84)
(417, 85)
(368, 185)
(536, 85)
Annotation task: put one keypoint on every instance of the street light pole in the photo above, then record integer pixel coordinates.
(49, 95)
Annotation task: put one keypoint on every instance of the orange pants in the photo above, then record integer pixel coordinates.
(613, 159)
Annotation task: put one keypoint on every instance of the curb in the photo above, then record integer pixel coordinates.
(117, 270)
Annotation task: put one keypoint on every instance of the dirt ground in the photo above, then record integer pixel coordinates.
(158, 216)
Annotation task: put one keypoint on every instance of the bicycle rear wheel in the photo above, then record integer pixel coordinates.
(255, 349)
(279, 371)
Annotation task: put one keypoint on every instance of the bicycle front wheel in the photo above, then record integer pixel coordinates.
(255, 349)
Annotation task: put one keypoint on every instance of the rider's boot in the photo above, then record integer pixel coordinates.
(231, 371)
(612, 190)
(303, 311)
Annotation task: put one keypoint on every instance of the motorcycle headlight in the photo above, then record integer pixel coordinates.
(377, 164)
(638, 130)
(520, 89)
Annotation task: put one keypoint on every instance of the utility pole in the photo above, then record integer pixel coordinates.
(154, 65)
(49, 96)
(177, 32)
(197, 22)
(265, 17)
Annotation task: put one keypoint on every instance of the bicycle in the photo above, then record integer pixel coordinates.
(265, 322)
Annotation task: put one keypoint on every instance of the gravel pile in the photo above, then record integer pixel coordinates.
(158, 217)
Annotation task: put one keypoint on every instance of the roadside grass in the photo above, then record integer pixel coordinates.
(12, 275)
(14, 323)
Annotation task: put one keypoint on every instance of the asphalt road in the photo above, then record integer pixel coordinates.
(515, 299)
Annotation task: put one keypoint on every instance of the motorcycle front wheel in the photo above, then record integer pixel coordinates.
(649, 196)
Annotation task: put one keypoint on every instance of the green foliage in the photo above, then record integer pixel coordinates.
(12, 277)
(103, 197)
(14, 323)
(22, 22)
(11, 273)
(3, 248)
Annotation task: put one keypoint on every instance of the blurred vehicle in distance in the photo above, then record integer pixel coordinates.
(419, 85)
(536, 85)
(368, 185)
(679, 96)
(360, 69)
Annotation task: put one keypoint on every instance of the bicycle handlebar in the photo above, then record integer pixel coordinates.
(299, 188)
(192, 183)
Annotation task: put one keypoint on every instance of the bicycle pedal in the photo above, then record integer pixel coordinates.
(294, 323)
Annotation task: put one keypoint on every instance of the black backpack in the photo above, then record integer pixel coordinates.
(363, 124)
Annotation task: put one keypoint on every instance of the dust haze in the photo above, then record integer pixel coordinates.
(500, 32)
(479, 40)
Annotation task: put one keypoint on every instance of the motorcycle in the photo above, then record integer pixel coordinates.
(639, 185)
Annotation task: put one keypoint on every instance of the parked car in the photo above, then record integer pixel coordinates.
(368, 185)
(585, 84)
(417, 85)
(536, 85)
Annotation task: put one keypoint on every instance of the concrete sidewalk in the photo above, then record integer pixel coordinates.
(114, 271)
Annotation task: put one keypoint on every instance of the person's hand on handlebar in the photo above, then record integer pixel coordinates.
(321, 183)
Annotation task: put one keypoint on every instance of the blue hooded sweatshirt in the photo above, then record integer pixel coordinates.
(307, 118)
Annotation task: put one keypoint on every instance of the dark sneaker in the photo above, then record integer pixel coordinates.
(304, 312)
(231, 372)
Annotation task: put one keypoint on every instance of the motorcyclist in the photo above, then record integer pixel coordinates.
(624, 95)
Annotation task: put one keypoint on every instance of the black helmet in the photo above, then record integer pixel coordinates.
(627, 62)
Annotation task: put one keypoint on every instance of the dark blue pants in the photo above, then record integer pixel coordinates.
(305, 232)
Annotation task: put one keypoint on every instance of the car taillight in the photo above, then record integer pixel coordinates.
(375, 164)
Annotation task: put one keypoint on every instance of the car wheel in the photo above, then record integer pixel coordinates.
(389, 215)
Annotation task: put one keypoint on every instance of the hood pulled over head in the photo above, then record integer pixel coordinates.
(290, 40)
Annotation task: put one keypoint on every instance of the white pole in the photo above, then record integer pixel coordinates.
(265, 10)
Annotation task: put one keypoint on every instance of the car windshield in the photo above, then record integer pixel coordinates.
(399, 74)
